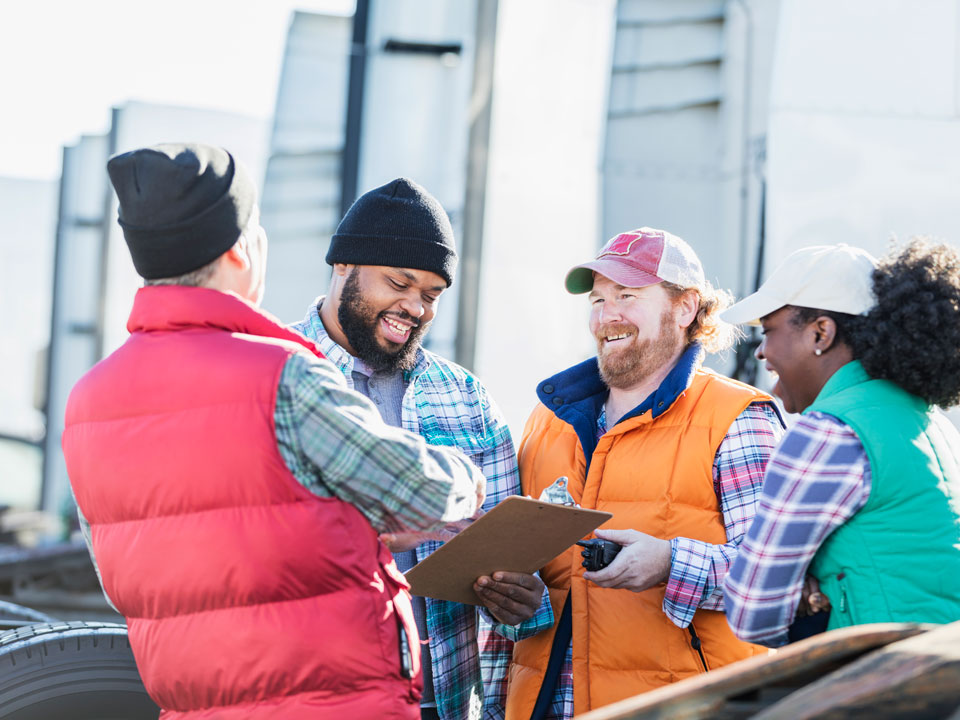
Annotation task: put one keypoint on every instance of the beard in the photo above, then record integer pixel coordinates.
(359, 322)
(624, 368)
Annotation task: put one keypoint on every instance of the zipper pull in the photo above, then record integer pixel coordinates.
(843, 593)
(697, 645)
(406, 663)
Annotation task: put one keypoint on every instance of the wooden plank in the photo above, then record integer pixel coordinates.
(918, 677)
(743, 688)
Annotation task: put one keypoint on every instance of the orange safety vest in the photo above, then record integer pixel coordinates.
(656, 476)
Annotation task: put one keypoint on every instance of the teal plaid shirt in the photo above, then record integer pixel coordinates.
(447, 406)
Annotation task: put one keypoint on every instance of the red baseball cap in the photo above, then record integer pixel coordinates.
(639, 258)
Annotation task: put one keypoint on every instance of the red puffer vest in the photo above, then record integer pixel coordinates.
(246, 595)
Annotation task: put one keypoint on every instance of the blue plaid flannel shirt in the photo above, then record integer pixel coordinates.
(447, 406)
(817, 479)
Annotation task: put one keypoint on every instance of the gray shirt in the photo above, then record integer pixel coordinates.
(386, 390)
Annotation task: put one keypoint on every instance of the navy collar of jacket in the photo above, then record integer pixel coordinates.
(577, 394)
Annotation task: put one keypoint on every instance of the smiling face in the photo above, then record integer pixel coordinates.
(385, 311)
(788, 350)
(638, 331)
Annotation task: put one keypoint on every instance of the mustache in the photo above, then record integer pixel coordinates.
(402, 315)
(607, 329)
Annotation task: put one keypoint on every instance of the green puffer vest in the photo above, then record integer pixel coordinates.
(898, 558)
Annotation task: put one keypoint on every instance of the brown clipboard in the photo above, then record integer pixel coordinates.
(518, 535)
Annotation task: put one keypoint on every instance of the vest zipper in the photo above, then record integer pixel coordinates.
(698, 646)
(846, 607)
(406, 661)
(406, 656)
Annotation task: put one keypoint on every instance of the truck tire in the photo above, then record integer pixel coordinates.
(14, 616)
(71, 671)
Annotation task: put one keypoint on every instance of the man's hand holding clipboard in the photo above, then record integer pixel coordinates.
(517, 537)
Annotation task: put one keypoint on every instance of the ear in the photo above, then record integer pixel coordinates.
(238, 256)
(825, 333)
(687, 306)
(341, 269)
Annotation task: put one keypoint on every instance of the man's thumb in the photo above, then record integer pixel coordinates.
(621, 537)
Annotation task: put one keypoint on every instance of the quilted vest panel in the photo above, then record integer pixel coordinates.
(655, 476)
(245, 594)
(898, 558)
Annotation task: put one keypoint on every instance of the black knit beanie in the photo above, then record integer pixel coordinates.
(398, 225)
(181, 205)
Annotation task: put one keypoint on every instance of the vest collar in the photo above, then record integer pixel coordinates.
(847, 376)
(576, 395)
(177, 307)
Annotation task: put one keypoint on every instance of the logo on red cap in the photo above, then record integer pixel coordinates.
(621, 244)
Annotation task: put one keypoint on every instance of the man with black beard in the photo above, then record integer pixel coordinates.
(676, 452)
(393, 256)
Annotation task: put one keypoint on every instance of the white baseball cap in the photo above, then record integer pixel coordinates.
(826, 277)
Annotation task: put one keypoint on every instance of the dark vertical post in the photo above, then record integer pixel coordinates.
(350, 165)
(471, 241)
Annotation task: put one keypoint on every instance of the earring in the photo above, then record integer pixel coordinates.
(818, 352)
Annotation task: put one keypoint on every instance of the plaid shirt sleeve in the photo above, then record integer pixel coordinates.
(817, 480)
(698, 568)
(337, 445)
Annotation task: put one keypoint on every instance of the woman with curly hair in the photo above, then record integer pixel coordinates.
(860, 509)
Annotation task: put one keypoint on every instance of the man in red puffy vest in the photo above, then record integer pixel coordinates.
(232, 488)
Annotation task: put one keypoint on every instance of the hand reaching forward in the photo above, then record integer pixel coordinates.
(510, 597)
(643, 562)
(401, 542)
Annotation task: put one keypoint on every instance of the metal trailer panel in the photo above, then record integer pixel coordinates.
(864, 130)
(542, 193)
(860, 129)
(75, 330)
(416, 113)
(685, 128)
(665, 131)
(28, 209)
(301, 191)
(95, 280)
(666, 13)
(665, 158)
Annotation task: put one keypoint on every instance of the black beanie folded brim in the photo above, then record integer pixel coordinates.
(399, 225)
(396, 251)
(174, 250)
(181, 206)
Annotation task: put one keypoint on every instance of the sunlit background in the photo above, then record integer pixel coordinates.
(748, 127)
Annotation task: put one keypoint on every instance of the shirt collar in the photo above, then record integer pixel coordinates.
(582, 384)
(312, 327)
(673, 385)
(577, 394)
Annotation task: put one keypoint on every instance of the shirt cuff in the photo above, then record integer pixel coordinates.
(491, 620)
(542, 620)
(689, 568)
